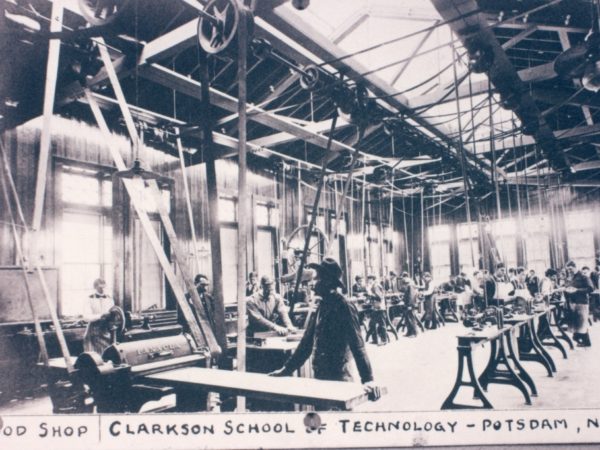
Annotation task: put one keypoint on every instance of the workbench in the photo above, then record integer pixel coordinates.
(504, 364)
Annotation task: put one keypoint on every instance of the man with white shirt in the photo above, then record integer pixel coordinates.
(97, 335)
(99, 303)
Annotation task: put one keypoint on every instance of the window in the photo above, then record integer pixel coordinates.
(439, 251)
(266, 219)
(148, 275)
(388, 248)
(85, 236)
(537, 243)
(227, 210)
(467, 240)
(504, 232)
(265, 256)
(580, 237)
(229, 264)
(374, 250)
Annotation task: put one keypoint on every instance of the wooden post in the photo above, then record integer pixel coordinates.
(242, 202)
(213, 205)
(56, 18)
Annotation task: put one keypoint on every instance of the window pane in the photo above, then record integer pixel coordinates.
(227, 211)
(320, 223)
(81, 238)
(440, 261)
(262, 215)
(274, 220)
(504, 227)
(581, 247)
(149, 203)
(462, 231)
(265, 257)
(229, 263)
(107, 193)
(150, 275)
(373, 231)
(439, 233)
(464, 253)
(507, 248)
(107, 240)
(81, 189)
(76, 286)
(579, 220)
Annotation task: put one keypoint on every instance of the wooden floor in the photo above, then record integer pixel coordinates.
(420, 372)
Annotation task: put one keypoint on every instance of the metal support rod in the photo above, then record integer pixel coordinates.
(289, 64)
(343, 194)
(493, 150)
(381, 235)
(49, 94)
(363, 200)
(201, 12)
(315, 210)
(188, 202)
(463, 162)
(22, 259)
(242, 202)
(521, 244)
(405, 233)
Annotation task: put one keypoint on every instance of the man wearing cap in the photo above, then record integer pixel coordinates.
(265, 307)
(332, 335)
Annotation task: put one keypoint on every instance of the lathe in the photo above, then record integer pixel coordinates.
(117, 378)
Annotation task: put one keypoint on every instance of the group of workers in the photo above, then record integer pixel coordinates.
(379, 295)
(578, 288)
(333, 334)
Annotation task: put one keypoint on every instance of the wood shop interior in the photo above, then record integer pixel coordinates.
(395, 203)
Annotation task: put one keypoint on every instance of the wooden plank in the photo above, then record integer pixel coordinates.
(153, 238)
(215, 250)
(49, 93)
(206, 333)
(306, 391)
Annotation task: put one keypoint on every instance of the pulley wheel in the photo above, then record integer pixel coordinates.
(262, 48)
(116, 319)
(218, 37)
(101, 12)
(309, 79)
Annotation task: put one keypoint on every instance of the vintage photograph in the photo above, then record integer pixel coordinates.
(301, 207)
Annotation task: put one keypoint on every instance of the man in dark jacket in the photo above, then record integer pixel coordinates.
(579, 287)
(410, 295)
(332, 335)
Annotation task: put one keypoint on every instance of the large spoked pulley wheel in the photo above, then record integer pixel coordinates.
(102, 12)
(220, 33)
(317, 246)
